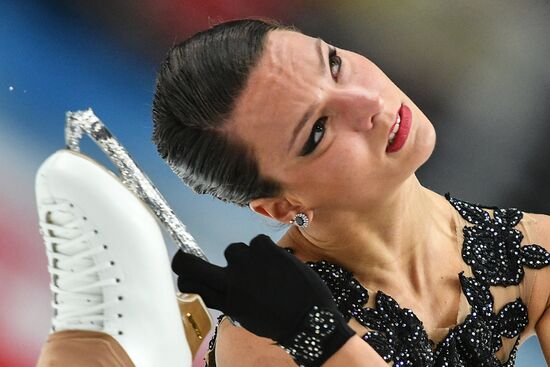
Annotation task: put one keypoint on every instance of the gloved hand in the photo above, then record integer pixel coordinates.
(272, 294)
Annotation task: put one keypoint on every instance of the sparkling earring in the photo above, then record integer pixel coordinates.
(301, 220)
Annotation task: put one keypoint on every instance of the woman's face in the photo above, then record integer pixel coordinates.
(319, 118)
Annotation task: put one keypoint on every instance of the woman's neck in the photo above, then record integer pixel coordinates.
(402, 239)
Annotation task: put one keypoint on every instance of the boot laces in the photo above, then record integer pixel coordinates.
(77, 288)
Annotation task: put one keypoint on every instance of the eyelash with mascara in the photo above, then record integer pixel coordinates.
(318, 130)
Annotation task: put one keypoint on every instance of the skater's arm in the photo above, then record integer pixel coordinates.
(236, 347)
(355, 353)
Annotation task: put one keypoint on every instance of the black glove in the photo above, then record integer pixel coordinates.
(272, 294)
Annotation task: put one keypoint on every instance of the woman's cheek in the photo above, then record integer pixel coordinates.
(347, 163)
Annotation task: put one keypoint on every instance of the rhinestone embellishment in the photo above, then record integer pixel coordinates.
(307, 346)
(492, 247)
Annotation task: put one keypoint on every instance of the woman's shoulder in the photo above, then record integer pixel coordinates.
(237, 347)
(536, 227)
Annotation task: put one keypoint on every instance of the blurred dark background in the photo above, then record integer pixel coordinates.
(479, 70)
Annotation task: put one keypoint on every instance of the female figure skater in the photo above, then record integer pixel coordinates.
(302, 132)
(376, 268)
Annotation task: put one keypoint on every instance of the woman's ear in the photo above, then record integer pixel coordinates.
(278, 208)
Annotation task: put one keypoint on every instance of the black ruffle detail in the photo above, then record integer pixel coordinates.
(398, 335)
(479, 337)
(492, 247)
(350, 296)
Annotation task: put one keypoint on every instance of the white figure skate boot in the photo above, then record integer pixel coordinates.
(109, 267)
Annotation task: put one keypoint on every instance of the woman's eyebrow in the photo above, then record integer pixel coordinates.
(319, 46)
(307, 115)
(305, 118)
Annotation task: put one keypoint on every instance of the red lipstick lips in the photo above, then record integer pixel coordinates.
(403, 132)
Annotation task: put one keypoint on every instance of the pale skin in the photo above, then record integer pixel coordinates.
(368, 211)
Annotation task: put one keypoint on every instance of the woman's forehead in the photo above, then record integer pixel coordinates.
(287, 54)
(283, 83)
(285, 42)
(282, 86)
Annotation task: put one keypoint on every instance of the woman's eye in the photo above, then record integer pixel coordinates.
(317, 133)
(334, 62)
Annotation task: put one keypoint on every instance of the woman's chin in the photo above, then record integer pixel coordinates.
(426, 142)
(422, 148)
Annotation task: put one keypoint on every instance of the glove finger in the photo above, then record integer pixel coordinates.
(191, 267)
(263, 247)
(211, 297)
(236, 253)
(262, 240)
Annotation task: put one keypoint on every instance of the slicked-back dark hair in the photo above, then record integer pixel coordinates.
(196, 91)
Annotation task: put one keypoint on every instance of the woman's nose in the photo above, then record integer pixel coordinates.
(358, 106)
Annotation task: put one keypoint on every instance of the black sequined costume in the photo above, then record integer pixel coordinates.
(494, 257)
